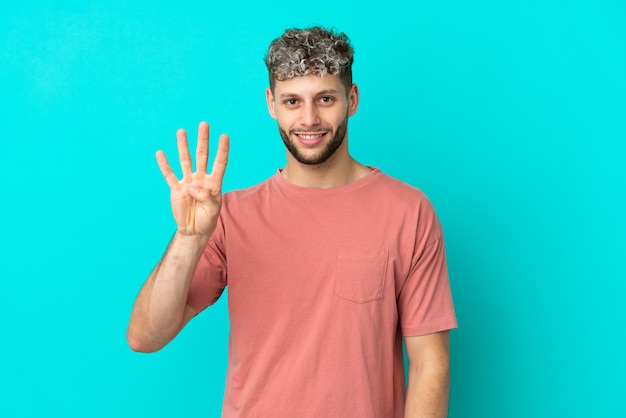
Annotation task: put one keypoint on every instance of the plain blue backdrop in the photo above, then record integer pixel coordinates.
(510, 115)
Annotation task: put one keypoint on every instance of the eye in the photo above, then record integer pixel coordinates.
(290, 102)
(327, 99)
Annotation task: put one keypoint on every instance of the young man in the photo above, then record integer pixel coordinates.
(329, 263)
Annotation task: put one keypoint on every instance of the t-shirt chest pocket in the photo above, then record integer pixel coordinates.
(361, 274)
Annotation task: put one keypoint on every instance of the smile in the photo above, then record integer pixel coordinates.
(310, 139)
(311, 136)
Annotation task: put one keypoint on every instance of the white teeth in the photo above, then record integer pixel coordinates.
(310, 136)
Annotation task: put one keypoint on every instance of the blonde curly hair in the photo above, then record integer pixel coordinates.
(315, 51)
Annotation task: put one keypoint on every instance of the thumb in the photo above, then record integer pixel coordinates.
(198, 193)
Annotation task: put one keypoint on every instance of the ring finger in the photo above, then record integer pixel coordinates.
(183, 153)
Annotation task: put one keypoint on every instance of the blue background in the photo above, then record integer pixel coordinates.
(509, 115)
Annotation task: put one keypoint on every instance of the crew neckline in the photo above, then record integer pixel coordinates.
(287, 186)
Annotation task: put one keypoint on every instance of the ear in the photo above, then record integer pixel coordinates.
(353, 99)
(269, 97)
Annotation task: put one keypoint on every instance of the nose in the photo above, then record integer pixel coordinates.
(309, 116)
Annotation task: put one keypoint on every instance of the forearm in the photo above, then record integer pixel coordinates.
(159, 310)
(428, 392)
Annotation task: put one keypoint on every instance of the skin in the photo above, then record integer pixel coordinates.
(312, 114)
(160, 310)
(311, 106)
(428, 391)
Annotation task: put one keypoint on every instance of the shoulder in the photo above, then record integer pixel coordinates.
(246, 193)
(407, 204)
(235, 201)
(400, 192)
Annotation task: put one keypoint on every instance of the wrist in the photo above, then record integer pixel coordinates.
(191, 240)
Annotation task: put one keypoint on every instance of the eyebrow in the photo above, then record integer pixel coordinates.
(319, 93)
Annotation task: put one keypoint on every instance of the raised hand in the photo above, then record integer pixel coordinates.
(196, 198)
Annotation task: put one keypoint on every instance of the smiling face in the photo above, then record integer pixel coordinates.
(312, 114)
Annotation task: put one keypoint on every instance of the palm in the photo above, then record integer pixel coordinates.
(196, 198)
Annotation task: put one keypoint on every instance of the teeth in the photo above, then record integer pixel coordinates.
(303, 136)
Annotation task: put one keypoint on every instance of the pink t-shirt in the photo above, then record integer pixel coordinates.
(323, 284)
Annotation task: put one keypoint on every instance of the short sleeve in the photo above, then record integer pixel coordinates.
(425, 301)
(210, 277)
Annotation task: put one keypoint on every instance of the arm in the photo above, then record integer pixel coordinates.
(429, 375)
(160, 310)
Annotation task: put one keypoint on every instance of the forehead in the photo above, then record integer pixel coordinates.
(309, 85)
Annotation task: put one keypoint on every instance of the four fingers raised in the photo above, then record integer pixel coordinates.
(219, 165)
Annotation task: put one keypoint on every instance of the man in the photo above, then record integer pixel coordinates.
(329, 263)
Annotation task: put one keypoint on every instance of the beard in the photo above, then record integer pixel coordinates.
(321, 157)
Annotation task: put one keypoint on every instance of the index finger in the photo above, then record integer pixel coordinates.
(221, 158)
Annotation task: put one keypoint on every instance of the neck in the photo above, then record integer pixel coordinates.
(340, 169)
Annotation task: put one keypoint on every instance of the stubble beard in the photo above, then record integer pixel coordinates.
(332, 146)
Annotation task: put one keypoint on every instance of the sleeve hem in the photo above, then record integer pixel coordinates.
(429, 328)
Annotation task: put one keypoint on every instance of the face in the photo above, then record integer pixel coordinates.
(312, 114)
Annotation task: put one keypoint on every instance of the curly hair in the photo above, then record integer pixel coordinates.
(314, 50)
